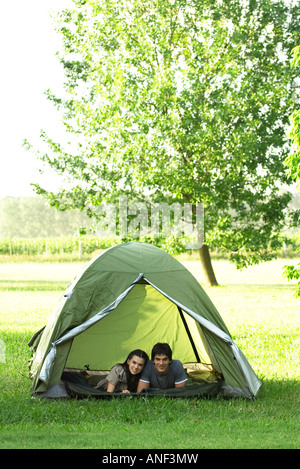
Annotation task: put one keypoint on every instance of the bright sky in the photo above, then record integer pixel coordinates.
(29, 66)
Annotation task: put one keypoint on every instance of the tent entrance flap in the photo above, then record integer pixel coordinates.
(155, 319)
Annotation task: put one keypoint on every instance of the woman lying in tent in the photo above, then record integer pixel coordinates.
(124, 377)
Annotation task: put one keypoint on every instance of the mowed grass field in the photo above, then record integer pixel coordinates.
(263, 317)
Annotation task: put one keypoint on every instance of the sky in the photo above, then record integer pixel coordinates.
(29, 66)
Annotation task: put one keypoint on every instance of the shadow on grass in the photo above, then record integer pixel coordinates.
(279, 388)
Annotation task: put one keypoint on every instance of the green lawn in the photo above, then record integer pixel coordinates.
(262, 315)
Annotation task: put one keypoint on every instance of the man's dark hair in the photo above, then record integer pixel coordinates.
(161, 349)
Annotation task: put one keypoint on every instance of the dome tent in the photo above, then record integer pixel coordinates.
(134, 295)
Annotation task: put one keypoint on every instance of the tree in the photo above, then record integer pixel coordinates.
(180, 101)
(293, 163)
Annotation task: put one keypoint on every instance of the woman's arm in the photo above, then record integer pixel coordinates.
(110, 387)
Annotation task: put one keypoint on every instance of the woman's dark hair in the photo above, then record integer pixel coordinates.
(132, 380)
(161, 349)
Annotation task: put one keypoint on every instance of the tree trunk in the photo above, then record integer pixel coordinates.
(207, 267)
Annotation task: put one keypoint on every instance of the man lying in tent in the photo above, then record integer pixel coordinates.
(161, 372)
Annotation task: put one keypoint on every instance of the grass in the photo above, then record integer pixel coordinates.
(262, 315)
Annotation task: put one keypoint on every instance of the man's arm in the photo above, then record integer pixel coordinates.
(180, 385)
(181, 378)
(142, 385)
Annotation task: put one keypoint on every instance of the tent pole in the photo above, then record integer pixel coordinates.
(189, 335)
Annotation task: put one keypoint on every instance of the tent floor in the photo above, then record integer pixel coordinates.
(77, 387)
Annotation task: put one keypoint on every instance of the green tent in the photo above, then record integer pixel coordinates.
(132, 296)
